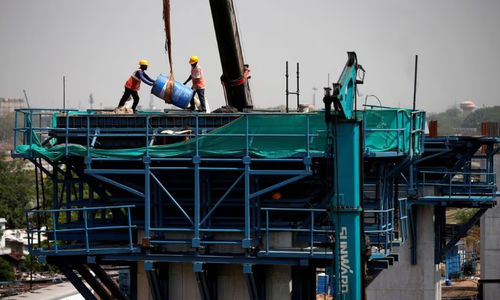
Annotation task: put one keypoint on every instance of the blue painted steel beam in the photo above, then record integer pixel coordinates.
(93, 282)
(77, 282)
(147, 198)
(113, 171)
(222, 198)
(197, 206)
(233, 259)
(461, 232)
(154, 285)
(278, 185)
(246, 243)
(119, 185)
(171, 198)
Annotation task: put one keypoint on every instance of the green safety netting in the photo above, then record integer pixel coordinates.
(270, 136)
(391, 130)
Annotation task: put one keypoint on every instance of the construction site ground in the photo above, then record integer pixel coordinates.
(460, 289)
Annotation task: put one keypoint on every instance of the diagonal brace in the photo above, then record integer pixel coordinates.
(462, 231)
(278, 185)
(172, 198)
(222, 198)
(117, 184)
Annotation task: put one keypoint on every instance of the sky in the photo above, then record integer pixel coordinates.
(97, 44)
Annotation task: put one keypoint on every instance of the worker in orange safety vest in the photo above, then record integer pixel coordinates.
(198, 83)
(134, 83)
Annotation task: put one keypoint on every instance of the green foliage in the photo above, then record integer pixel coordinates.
(16, 192)
(6, 271)
(463, 215)
(454, 118)
(451, 118)
(31, 263)
(486, 114)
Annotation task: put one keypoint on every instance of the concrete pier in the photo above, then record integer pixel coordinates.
(404, 280)
(182, 282)
(228, 279)
(490, 244)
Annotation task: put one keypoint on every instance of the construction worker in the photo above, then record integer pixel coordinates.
(198, 83)
(134, 83)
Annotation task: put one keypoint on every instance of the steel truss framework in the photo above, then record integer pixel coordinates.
(123, 211)
(455, 172)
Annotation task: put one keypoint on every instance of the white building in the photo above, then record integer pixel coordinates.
(8, 106)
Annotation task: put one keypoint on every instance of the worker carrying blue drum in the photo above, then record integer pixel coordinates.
(198, 83)
(133, 84)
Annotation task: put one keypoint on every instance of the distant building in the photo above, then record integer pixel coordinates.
(3, 248)
(17, 240)
(467, 107)
(8, 106)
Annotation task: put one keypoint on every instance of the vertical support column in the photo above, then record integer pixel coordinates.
(196, 239)
(195, 242)
(413, 234)
(147, 198)
(286, 86)
(246, 243)
(347, 211)
(67, 188)
(247, 240)
(439, 231)
(201, 279)
(55, 183)
(250, 280)
(304, 283)
(141, 280)
(490, 178)
(298, 90)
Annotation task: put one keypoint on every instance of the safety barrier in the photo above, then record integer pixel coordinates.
(309, 228)
(77, 222)
(460, 185)
(392, 131)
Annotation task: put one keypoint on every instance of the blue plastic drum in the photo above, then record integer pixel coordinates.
(182, 94)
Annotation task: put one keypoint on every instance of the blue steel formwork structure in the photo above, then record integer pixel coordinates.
(456, 172)
(148, 188)
(120, 210)
(103, 209)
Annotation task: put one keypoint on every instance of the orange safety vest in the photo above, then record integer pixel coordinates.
(133, 83)
(197, 78)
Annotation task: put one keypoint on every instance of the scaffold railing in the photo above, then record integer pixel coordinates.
(393, 131)
(478, 185)
(314, 234)
(73, 229)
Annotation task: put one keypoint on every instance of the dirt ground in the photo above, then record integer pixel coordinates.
(463, 288)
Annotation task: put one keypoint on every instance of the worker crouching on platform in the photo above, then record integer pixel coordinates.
(198, 83)
(133, 84)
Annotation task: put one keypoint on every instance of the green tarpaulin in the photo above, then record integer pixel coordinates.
(269, 136)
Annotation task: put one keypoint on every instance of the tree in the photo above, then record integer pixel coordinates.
(454, 118)
(465, 214)
(31, 263)
(486, 114)
(16, 192)
(448, 120)
(6, 271)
